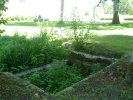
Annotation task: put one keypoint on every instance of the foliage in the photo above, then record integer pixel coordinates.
(2, 8)
(126, 7)
(56, 78)
(20, 18)
(17, 53)
(78, 33)
(77, 30)
(96, 68)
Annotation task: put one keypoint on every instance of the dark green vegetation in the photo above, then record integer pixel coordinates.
(17, 53)
(41, 50)
(56, 78)
(60, 76)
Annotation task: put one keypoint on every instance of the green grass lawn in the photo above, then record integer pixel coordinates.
(98, 26)
(107, 45)
(116, 42)
(21, 24)
(50, 24)
(111, 26)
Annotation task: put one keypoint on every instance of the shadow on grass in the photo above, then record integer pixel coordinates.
(110, 26)
(107, 45)
(120, 43)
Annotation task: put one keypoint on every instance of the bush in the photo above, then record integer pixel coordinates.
(20, 18)
(56, 78)
(18, 51)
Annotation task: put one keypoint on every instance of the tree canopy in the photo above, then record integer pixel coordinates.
(2, 8)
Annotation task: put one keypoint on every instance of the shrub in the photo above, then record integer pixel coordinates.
(18, 51)
(20, 18)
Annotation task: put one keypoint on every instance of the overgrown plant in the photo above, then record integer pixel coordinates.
(77, 31)
(56, 78)
(80, 32)
(17, 53)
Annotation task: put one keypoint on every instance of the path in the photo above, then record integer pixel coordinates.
(33, 31)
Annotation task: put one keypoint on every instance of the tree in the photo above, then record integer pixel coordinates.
(126, 7)
(115, 19)
(2, 8)
(62, 10)
(115, 12)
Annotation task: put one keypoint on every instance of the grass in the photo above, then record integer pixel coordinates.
(107, 45)
(17, 53)
(21, 24)
(110, 26)
(120, 43)
(50, 24)
(42, 50)
(50, 81)
(68, 24)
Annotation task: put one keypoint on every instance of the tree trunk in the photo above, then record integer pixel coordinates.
(115, 12)
(62, 10)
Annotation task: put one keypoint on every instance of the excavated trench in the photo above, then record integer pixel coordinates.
(87, 64)
(13, 87)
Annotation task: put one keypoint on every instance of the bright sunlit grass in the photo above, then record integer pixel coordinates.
(111, 44)
(102, 26)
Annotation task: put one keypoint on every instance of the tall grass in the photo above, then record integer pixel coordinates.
(17, 53)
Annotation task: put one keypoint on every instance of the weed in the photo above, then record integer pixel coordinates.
(56, 78)
(18, 51)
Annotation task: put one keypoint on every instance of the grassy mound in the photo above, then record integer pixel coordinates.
(13, 88)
